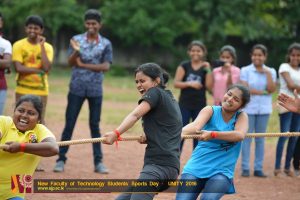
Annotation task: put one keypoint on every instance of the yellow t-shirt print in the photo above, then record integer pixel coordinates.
(29, 55)
(19, 165)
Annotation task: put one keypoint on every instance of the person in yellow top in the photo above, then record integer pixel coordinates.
(32, 58)
(23, 140)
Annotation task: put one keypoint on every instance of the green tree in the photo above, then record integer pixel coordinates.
(168, 25)
(146, 23)
(56, 14)
(58, 17)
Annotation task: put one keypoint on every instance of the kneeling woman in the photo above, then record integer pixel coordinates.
(24, 140)
(212, 163)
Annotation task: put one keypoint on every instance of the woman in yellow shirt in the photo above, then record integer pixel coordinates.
(24, 140)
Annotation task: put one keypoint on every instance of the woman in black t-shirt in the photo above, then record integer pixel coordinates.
(193, 77)
(162, 125)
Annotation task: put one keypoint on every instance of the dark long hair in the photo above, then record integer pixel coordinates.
(154, 71)
(293, 46)
(245, 93)
(35, 100)
(262, 47)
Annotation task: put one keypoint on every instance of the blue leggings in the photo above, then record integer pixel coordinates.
(151, 172)
(212, 188)
(16, 198)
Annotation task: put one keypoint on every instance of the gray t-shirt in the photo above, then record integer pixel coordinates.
(162, 126)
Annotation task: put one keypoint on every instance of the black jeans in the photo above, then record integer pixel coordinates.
(187, 115)
(296, 161)
(73, 108)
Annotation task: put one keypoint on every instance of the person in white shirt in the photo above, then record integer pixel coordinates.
(5, 61)
(289, 77)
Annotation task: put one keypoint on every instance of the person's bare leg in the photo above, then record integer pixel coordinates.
(44, 101)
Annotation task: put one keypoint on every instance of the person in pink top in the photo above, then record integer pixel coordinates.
(226, 75)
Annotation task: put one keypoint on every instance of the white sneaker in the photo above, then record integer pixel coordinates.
(59, 167)
(100, 168)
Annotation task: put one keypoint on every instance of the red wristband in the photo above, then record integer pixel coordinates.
(118, 136)
(22, 147)
(213, 134)
(117, 133)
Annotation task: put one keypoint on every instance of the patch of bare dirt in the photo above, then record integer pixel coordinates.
(127, 161)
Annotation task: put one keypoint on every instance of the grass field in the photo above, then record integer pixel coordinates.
(120, 97)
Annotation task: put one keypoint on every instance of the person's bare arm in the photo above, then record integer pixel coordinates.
(94, 67)
(179, 83)
(142, 109)
(46, 64)
(260, 92)
(208, 77)
(202, 118)
(271, 85)
(227, 67)
(238, 134)
(75, 54)
(5, 62)
(290, 84)
(252, 91)
(48, 147)
(20, 68)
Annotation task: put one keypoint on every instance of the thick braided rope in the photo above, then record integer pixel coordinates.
(287, 134)
(255, 135)
(134, 138)
(94, 140)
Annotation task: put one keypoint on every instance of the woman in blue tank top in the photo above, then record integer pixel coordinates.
(210, 170)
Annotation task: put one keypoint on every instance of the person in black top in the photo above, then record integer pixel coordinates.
(193, 78)
(162, 124)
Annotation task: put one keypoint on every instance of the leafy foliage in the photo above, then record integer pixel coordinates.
(147, 24)
(56, 13)
(167, 24)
